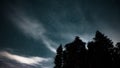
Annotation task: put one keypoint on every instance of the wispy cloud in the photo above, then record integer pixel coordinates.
(33, 28)
(23, 59)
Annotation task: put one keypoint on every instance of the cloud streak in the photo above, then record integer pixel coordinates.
(34, 29)
(22, 59)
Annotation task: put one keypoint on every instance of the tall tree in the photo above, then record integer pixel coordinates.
(99, 50)
(59, 57)
(74, 55)
(100, 54)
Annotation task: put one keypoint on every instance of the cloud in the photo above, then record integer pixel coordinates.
(5, 64)
(23, 59)
(34, 29)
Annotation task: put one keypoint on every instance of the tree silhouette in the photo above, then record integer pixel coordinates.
(59, 57)
(74, 53)
(116, 55)
(101, 53)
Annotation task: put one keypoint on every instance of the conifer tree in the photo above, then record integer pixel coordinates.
(59, 57)
(100, 54)
(74, 55)
(100, 51)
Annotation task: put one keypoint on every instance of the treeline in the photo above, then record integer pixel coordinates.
(101, 53)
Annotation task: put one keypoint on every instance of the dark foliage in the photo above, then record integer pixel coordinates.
(101, 53)
(59, 57)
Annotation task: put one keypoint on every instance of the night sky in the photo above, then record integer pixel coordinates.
(31, 30)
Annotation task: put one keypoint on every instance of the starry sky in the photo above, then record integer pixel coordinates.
(31, 30)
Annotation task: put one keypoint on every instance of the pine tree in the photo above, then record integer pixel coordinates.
(59, 57)
(74, 55)
(100, 54)
(100, 51)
